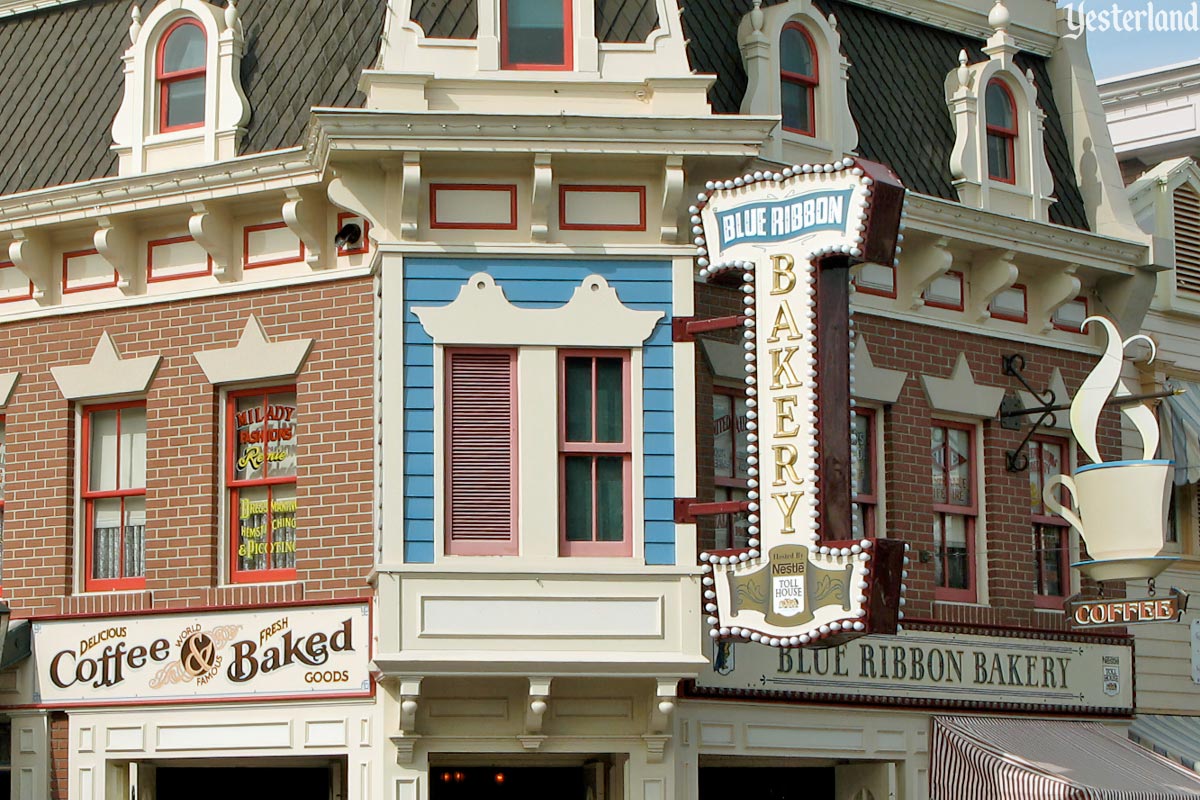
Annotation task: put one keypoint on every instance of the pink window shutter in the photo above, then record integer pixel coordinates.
(481, 465)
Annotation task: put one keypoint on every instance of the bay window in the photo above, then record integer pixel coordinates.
(261, 436)
(113, 484)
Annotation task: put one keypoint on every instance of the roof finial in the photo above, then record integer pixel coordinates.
(231, 17)
(135, 23)
(964, 72)
(756, 16)
(999, 17)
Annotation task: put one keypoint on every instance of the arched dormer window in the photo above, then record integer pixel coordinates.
(798, 79)
(535, 34)
(180, 72)
(1000, 108)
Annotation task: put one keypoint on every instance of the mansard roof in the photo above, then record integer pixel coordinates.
(61, 79)
(898, 71)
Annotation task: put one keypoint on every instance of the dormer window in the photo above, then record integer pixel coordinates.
(798, 79)
(1001, 111)
(180, 72)
(535, 34)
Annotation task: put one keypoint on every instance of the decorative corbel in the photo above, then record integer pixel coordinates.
(406, 737)
(30, 253)
(992, 272)
(673, 180)
(535, 709)
(659, 725)
(1053, 293)
(924, 262)
(543, 179)
(304, 215)
(114, 241)
(211, 228)
(410, 196)
(359, 190)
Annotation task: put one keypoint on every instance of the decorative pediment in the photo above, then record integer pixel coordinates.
(872, 383)
(593, 317)
(107, 374)
(8, 382)
(960, 394)
(255, 357)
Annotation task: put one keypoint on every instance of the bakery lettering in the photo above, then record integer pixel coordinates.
(312, 650)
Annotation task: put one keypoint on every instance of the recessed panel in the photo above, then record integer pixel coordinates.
(602, 208)
(1010, 304)
(13, 283)
(481, 206)
(273, 243)
(876, 279)
(84, 270)
(179, 257)
(573, 617)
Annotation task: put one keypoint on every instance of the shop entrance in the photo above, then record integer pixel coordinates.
(503, 783)
(238, 783)
(860, 781)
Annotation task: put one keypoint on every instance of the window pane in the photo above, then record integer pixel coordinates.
(732, 530)
(999, 109)
(795, 54)
(1051, 464)
(610, 400)
(742, 438)
(958, 568)
(960, 466)
(135, 537)
(937, 447)
(283, 526)
(579, 499)
(999, 163)
(1048, 546)
(939, 570)
(723, 436)
(252, 523)
(185, 102)
(106, 538)
(102, 461)
(249, 455)
(281, 435)
(860, 449)
(132, 472)
(610, 499)
(1035, 477)
(535, 32)
(794, 102)
(579, 399)
(3, 458)
(184, 49)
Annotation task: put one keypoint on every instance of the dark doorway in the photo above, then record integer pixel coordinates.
(503, 783)
(769, 783)
(242, 783)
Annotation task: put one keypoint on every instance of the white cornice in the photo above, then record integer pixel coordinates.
(10, 8)
(1137, 85)
(120, 195)
(1044, 240)
(960, 18)
(372, 132)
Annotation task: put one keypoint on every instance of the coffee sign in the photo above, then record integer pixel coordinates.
(932, 668)
(1115, 613)
(290, 652)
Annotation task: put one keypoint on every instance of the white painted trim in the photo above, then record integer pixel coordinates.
(255, 357)
(11, 8)
(106, 374)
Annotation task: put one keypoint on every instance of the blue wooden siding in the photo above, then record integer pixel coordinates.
(642, 285)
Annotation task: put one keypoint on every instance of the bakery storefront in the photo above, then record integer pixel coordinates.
(265, 701)
(923, 714)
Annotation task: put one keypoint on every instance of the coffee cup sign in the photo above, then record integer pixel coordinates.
(788, 239)
(1120, 507)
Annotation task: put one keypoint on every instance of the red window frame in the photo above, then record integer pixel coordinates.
(1068, 328)
(808, 82)
(233, 487)
(568, 41)
(868, 504)
(565, 189)
(1041, 519)
(875, 290)
(962, 294)
(969, 512)
(1009, 135)
(164, 79)
(1023, 316)
(728, 488)
(624, 448)
(363, 245)
(152, 278)
(509, 188)
(14, 298)
(89, 498)
(67, 288)
(249, 263)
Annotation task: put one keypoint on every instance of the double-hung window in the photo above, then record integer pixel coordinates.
(862, 450)
(798, 78)
(114, 495)
(1051, 540)
(1001, 114)
(180, 71)
(595, 453)
(535, 34)
(731, 465)
(260, 455)
(955, 508)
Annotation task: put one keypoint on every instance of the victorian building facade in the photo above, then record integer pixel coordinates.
(354, 425)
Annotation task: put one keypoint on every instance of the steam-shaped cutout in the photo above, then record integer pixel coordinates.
(1104, 382)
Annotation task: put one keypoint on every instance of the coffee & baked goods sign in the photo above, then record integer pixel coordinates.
(933, 668)
(294, 652)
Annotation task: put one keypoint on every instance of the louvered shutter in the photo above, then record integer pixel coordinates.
(481, 420)
(1187, 240)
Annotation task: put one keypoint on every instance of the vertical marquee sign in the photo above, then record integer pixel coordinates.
(789, 239)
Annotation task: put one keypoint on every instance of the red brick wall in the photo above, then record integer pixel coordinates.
(183, 537)
(926, 350)
(60, 748)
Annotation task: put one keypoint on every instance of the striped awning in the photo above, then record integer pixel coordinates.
(992, 758)
(1179, 418)
(1176, 737)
